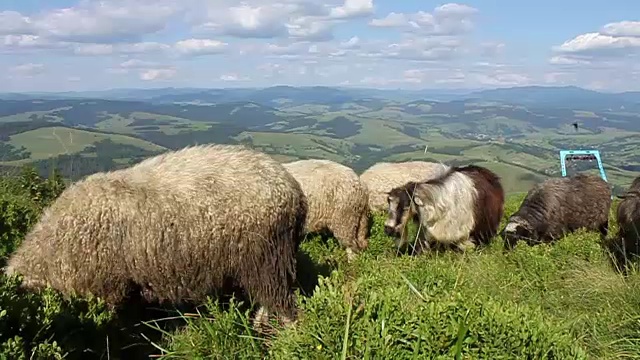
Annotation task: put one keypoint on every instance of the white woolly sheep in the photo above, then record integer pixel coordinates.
(337, 200)
(176, 227)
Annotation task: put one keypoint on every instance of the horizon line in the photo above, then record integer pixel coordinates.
(347, 87)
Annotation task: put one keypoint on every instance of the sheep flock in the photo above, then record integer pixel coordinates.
(193, 222)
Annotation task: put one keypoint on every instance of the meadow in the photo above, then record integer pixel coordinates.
(556, 301)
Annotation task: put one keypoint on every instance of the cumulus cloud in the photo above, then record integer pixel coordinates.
(614, 40)
(415, 48)
(607, 56)
(622, 28)
(352, 8)
(158, 74)
(28, 69)
(12, 22)
(298, 42)
(233, 77)
(200, 47)
(105, 21)
(146, 70)
(447, 19)
(297, 19)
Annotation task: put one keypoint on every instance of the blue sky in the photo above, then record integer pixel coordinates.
(60, 45)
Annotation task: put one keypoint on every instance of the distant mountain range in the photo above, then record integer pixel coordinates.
(569, 97)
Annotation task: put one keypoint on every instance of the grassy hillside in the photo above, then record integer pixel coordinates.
(560, 301)
(520, 139)
(50, 142)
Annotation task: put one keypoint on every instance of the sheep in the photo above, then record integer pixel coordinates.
(558, 206)
(627, 242)
(175, 227)
(384, 176)
(460, 209)
(338, 201)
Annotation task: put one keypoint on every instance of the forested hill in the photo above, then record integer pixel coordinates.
(517, 132)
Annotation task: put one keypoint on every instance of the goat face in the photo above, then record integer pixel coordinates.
(514, 231)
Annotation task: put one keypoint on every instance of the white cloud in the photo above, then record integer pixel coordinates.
(597, 42)
(622, 28)
(491, 49)
(93, 49)
(158, 74)
(503, 78)
(138, 64)
(233, 77)
(564, 60)
(97, 49)
(352, 8)
(200, 47)
(26, 42)
(418, 49)
(447, 19)
(312, 42)
(105, 21)
(12, 23)
(28, 69)
(608, 57)
(615, 41)
(296, 19)
(146, 70)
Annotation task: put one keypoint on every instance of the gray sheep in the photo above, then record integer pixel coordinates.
(559, 206)
(628, 216)
(338, 201)
(384, 176)
(176, 227)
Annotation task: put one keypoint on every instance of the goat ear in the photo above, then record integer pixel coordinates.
(418, 201)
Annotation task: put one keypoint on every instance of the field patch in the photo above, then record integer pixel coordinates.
(53, 141)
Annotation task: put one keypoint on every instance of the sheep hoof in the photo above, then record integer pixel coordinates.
(287, 322)
(466, 245)
(351, 255)
(261, 322)
(261, 319)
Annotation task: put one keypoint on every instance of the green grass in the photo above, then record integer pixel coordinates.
(25, 116)
(377, 132)
(119, 124)
(49, 142)
(292, 144)
(555, 301)
(560, 301)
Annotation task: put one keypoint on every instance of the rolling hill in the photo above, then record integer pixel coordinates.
(517, 132)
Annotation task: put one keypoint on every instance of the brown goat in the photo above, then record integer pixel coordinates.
(628, 216)
(559, 206)
(462, 207)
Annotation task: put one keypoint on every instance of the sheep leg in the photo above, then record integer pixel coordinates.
(351, 255)
(466, 245)
(261, 319)
(604, 229)
(347, 238)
